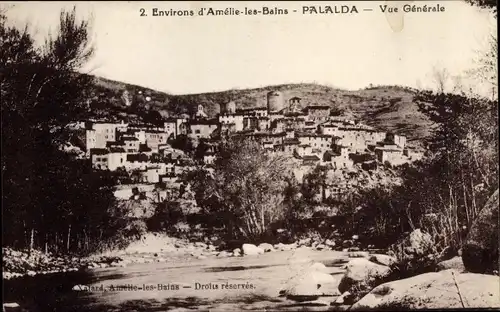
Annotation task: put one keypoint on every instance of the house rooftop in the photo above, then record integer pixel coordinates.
(168, 175)
(318, 107)
(389, 149)
(316, 135)
(138, 157)
(203, 122)
(114, 143)
(129, 138)
(251, 109)
(258, 117)
(329, 126)
(140, 125)
(116, 150)
(291, 141)
(332, 154)
(172, 119)
(293, 114)
(268, 134)
(310, 158)
(99, 151)
(278, 113)
(357, 129)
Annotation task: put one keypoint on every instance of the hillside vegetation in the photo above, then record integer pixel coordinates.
(389, 108)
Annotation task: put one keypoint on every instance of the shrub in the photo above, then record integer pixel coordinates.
(415, 254)
(166, 215)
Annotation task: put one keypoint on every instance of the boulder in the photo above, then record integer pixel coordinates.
(417, 243)
(311, 284)
(319, 267)
(382, 259)
(347, 243)
(224, 254)
(343, 299)
(436, 290)
(304, 242)
(266, 247)
(453, 263)
(480, 251)
(283, 247)
(358, 254)
(416, 252)
(200, 245)
(237, 252)
(321, 247)
(115, 264)
(330, 243)
(251, 250)
(361, 276)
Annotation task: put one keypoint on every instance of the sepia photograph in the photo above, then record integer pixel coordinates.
(241, 155)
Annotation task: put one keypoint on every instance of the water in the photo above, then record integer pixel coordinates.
(234, 283)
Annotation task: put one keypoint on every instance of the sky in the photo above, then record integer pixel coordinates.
(179, 54)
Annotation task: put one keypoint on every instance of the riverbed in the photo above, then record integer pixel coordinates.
(215, 284)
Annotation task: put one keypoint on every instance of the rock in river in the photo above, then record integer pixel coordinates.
(361, 276)
(311, 283)
(266, 247)
(382, 259)
(251, 249)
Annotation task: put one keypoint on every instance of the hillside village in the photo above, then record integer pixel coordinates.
(348, 151)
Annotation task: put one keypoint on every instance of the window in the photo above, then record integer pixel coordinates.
(197, 131)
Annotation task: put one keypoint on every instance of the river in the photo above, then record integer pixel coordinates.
(215, 284)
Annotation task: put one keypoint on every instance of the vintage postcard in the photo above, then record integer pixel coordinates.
(240, 155)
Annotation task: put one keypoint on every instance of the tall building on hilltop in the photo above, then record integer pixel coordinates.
(275, 101)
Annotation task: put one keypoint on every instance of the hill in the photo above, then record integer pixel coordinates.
(388, 108)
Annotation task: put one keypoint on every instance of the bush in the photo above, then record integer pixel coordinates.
(415, 254)
(166, 215)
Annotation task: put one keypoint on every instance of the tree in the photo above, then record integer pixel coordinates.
(491, 4)
(49, 198)
(487, 69)
(314, 183)
(248, 189)
(441, 77)
(153, 117)
(201, 150)
(183, 143)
